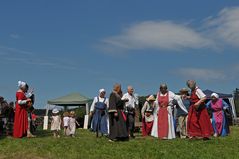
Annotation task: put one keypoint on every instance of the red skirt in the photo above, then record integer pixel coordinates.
(147, 128)
(199, 124)
(163, 123)
(20, 122)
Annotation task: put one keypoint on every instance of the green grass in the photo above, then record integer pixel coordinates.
(86, 145)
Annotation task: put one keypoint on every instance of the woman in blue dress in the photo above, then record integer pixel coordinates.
(99, 109)
(219, 122)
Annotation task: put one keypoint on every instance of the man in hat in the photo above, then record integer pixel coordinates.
(182, 115)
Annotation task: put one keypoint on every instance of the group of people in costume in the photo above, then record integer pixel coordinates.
(114, 117)
(193, 120)
(163, 117)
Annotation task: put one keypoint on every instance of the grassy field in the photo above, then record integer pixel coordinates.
(85, 145)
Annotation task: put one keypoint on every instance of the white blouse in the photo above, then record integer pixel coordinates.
(172, 96)
(200, 93)
(92, 108)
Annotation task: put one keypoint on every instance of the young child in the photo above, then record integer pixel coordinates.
(66, 121)
(56, 123)
(72, 124)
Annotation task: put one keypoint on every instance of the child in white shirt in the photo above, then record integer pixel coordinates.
(56, 123)
(72, 124)
(66, 120)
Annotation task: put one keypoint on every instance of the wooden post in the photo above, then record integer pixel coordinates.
(87, 108)
(86, 121)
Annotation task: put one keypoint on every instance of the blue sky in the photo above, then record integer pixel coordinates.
(60, 47)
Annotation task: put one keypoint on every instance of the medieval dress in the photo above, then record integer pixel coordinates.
(117, 124)
(199, 124)
(163, 126)
(100, 115)
(21, 117)
(219, 121)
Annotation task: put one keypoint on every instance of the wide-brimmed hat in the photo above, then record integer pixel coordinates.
(55, 111)
(151, 98)
(184, 90)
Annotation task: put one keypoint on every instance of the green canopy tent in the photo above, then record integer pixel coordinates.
(71, 100)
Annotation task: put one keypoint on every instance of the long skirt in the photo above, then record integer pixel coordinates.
(199, 124)
(20, 122)
(100, 122)
(219, 123)
(163, 126)
(117, 125)
(147, 127)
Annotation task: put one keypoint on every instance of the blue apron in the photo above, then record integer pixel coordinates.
(100, 117)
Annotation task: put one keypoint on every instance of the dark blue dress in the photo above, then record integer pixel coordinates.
(100, 117)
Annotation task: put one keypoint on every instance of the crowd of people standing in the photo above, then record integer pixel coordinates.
(185, 113)
(163, 115)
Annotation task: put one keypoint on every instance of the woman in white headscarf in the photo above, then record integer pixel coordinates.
(98, 110)
(217, 105)
(21, 117)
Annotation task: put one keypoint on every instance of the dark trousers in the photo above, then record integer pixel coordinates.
(131, 123)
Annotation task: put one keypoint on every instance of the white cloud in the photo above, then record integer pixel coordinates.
(215, 32)
(202, 74)
(225, 26)
(14, 36)
(158, 35)
(14, 55)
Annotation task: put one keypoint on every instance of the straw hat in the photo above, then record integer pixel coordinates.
(151, 98)
(184, 90)
(72, 112)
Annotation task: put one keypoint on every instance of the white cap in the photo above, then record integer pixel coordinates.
(21, 84)
(215, 95)
(101, 90)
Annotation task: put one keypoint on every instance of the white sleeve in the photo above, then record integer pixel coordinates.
(92, 108)
(200, 93)
(22, 102)
(124, 97)
(107, 102)
(28, 95)
(143, 108)
(180, 103)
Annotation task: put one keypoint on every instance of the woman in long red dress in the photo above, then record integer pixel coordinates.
(199, 124)
(21, 118)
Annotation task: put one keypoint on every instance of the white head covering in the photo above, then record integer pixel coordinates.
(101, 90)
(215, 95)
(55, 111)
(21, 84)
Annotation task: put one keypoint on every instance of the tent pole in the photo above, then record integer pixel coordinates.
(87, 108)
